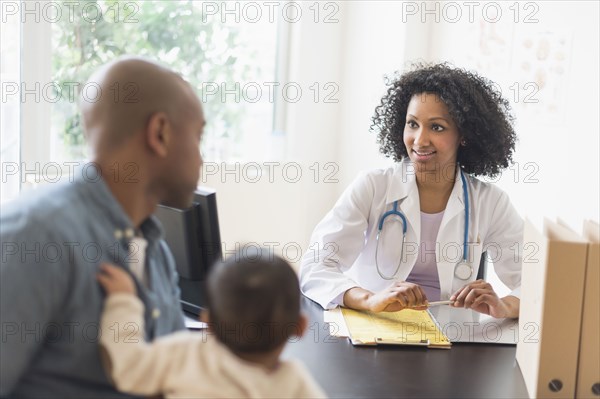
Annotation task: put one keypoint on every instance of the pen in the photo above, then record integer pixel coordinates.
(437, 303)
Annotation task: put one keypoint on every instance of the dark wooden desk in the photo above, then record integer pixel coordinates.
(465, 371)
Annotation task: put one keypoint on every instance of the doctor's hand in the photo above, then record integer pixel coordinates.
(481, 297)
(399, 295)
(115, 280)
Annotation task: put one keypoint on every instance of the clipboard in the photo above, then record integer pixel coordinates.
(407, 327)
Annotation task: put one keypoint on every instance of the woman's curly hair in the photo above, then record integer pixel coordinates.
(481, 115)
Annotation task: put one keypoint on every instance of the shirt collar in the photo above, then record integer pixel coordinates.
(96, 192)
(152, 229)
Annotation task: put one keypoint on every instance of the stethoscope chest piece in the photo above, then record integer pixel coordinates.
(463, 271)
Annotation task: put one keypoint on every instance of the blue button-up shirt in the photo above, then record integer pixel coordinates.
(52, 242)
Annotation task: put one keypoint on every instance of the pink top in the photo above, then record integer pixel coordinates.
(425, 271)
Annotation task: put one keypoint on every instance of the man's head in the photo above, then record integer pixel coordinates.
(148, 115)
(254, 302)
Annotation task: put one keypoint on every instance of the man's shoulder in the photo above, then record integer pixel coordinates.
(40, 211)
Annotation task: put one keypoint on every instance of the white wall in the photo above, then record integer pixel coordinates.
(281, 210)
(558, 136)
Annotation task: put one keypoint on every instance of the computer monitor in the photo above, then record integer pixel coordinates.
(194, 238)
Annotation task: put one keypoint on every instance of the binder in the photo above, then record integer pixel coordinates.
(552, 283)
(406, 327)
(588, 372)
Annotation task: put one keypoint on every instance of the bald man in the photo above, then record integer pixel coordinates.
(144, 127)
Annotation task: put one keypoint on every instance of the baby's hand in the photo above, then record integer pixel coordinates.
(114, 280)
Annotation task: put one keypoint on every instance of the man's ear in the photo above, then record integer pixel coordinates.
(158, 134)
(302, 325)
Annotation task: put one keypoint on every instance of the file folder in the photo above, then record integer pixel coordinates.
(552, 284)
(406, 327)
(588, 372)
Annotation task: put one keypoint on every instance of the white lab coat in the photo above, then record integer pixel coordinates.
(342, 253)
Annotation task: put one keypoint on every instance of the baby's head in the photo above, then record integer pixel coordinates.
(253, 301)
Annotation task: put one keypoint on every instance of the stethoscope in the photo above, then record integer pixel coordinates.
(463, 270)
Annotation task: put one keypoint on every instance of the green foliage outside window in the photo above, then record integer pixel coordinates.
(172, 32)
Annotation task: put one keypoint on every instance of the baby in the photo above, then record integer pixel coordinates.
(253, 302)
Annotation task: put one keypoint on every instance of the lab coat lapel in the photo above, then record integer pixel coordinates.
(403, 189)
(411, 207)
(450, 238)
(455, 205)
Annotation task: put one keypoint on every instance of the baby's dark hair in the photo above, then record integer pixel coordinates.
(481, 115)
(253, 299)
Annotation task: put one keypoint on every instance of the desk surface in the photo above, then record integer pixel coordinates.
(465, 371)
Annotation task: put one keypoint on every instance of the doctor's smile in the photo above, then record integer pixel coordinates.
(423, 155)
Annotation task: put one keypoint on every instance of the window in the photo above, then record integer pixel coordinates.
(9, 108)
(229, 59)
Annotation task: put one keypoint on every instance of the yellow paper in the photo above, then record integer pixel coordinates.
(407, 326)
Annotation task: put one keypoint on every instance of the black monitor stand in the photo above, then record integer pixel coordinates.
(194, 237)
(192, 295)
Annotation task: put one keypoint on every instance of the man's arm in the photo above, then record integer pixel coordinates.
(32, 292)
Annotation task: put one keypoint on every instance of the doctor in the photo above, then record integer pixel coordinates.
(414, 233)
